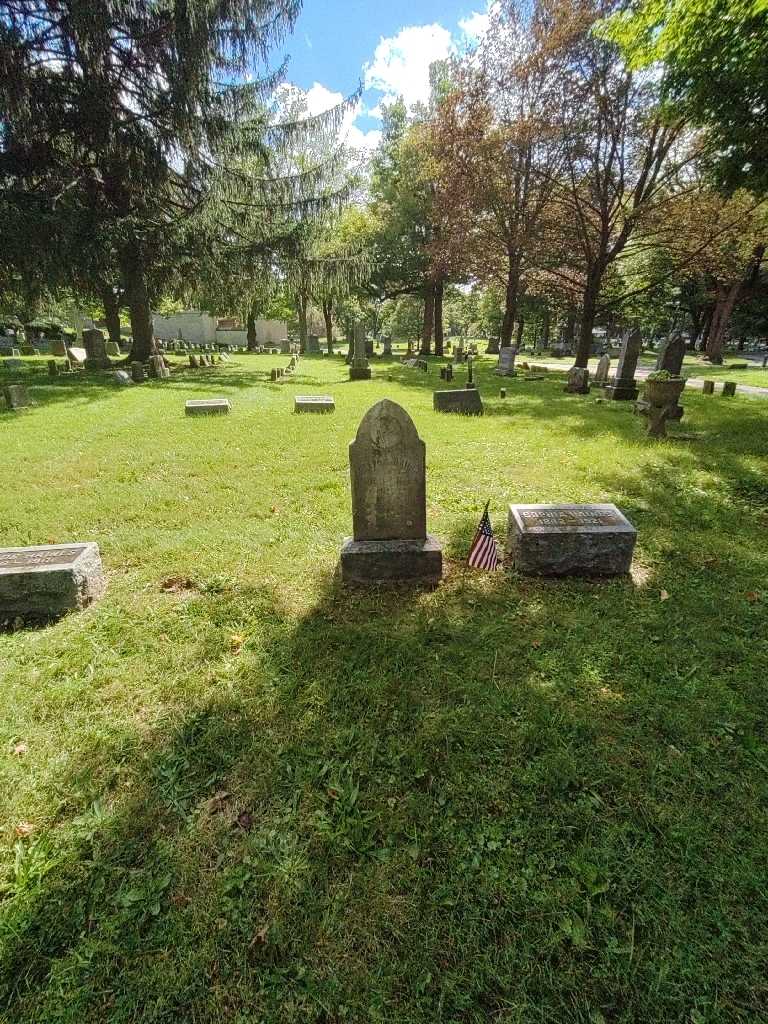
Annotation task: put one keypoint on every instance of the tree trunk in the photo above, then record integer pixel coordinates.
(111, 304)
(137, 297)
(510, 304)
(520, 329)
(301, 310)
(250, 330)
(545, 321)
(429, 319)
(588, 311)
(726, 300)
(439, 333)
(706, 329)
(328, 317)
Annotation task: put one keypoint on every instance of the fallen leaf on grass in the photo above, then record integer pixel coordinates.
(236, 642)
(24, 829)
(663, 595)
(20, 749)
(752, 596)
(217, 802)
(260, 937)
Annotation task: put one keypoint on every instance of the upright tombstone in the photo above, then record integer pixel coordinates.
(462, 400)
(624, 386)
(112, 348)
(158, 368)
(137, 372)
(602, 371)
(389, 507)
(16, 396)
(708, 387)
(285, 347)
(578, 381)
(506, 364)
(313, 344)
(122, 377)
(49, 580)
(670, 358)
(729, 388)
(387, 350)
(96, 357)
(58, 347)
(360, 368)
(76, 355)
(53, 368)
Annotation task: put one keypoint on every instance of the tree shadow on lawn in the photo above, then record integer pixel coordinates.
(401, 785)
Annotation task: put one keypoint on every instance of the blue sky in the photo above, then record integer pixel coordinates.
(388, 45)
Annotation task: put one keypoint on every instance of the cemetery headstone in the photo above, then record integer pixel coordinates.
(157, 368)
(602, 371)
(729, 388)
(76, 354)
(313, 344)
(389, 511)
(112, 348)
(50, 579)
(16, 396)
(285, 346)
(570, 540)
(460, 400)
(708, 387)
(506, 363)
(194, 361)
(53, 368)
(624, 387)
(360, 368)
(95, 347)
(578, 381)
(137, 372)
(313, 403)
(387, 340)
(207, 407)
(671, 354)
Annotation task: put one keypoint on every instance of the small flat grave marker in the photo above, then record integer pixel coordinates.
(313, 403)
(570, 540)
(48, 580)
(208, 407)
(462, 400)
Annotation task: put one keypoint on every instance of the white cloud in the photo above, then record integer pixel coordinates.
(475, 26)
(319, 98)
(400, 65)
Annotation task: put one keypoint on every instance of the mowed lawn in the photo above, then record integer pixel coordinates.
(235, 791)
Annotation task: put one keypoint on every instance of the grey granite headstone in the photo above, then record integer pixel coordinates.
(461, 400)
(76, 354)
(708, 387)
(729, 388)
(50, 579)
(137, 372)
(313, 403)
(570, 540)
(112, 348)
(671, 354)
(207, 407)
(506, 363)
(578, 381)
(158, 369)
(624, 387)
(53, 368)
(602, 371)
(96, 351)
(389, 511)
(313, 344)
(387, 341)
(360, 368)
(16, 396)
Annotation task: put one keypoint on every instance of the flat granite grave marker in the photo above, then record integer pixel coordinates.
(313, 403)
(570, 540)
(389, 508)
(207, 407)
(461, 400)
(50, 579)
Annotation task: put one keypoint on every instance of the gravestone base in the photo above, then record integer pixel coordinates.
(392, 561)
(462, 400)
(46, 581)
(641, 408)
(622, 391)
(359, 373)
(570, 540)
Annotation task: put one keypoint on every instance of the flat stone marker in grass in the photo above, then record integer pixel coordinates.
(389, 509)
(49, 580)
(570, 540)
(207, 407)
(461, 400)
(313, 403)
(16, 396)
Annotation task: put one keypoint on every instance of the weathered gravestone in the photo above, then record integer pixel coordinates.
(729, 388)
(624, 387)
(506, 363)
(158, 369)
(359, 368)
(16, 396)
(313, 344)
(53, 368)
(602, 371)
(49, 580)
(112, 348)
(137, 372)
(577, 382)
(387, 340)
(76, 354)
(708, 387)
(671, 354)
(389, 509)
(570, 540)
(461, 400)
(96, 357)
(285, 346)
(313, 403)
(207, 407)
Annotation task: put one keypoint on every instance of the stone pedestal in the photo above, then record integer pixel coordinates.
(622, 391)
(570, 540)
(388, 561)
(48, 580)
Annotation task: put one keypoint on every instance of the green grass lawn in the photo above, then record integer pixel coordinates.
(234, 791)
(693, 366)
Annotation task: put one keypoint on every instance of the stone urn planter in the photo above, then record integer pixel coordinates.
(661, 397)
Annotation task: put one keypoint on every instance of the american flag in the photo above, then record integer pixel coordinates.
(483, 554)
